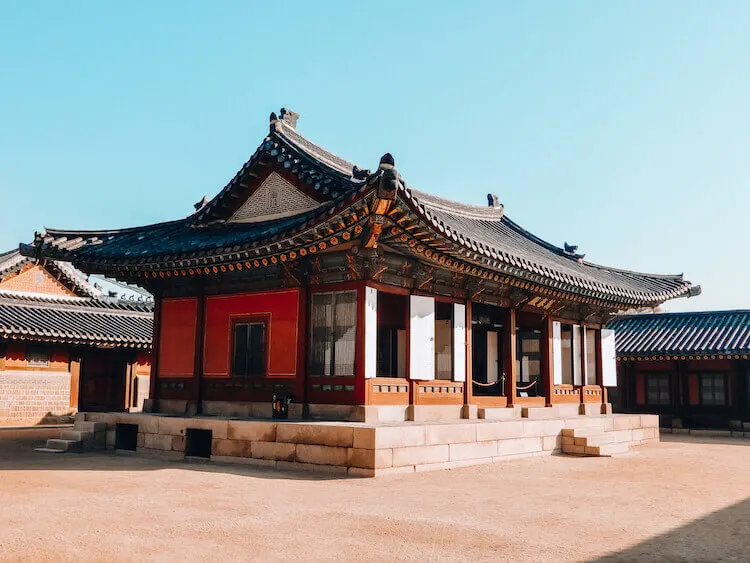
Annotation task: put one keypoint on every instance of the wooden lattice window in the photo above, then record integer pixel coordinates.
(333, 327)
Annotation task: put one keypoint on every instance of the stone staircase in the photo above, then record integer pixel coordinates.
(592, 442)
(84, 436)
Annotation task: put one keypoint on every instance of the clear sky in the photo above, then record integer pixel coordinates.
(623, 127)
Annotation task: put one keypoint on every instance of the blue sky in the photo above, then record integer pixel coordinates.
(621, 127)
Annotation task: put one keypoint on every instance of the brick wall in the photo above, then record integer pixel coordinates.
(33, 397)
(35, 279)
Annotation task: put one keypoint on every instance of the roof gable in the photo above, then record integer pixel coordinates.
(275, 198)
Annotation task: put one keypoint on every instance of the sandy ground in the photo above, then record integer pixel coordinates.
(679, 500)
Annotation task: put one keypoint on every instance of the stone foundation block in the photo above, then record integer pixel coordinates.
(648, 420)
(233, 448)
(474, 450)
(539, 413)
(543, 427)
(569, 409)
(418, 455)
(178, 443)
(369, 459)
(227, 408)
(273, 450)
(499, 430)
(374, 414)
(434, 413)
(321, 455)
(251, 430)
(627, 422)
(140, 439)
(469, 412)
(172, 406)
(499, 413)
(450, 433)
(590, 409)
(157, 442)
(551, 443)
(519, 446)
(606, 408)
(109, 437)
(364, 438)
(315, 434)
(399, 436)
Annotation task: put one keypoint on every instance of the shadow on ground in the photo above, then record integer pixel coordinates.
(17, 453)
(718, 536)
(688, 439)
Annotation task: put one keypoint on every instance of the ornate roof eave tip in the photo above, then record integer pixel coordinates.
(388, 177)
(286, 116)
(694, 291)
(572, 251)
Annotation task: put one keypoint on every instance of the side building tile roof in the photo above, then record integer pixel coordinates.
(709, 333)
(76, 320)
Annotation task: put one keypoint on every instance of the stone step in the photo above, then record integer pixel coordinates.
(65, 445)
(85, 426)
(80, 417)
(598, 440)
(497, 413)
(49, 450)
(582, 432)
(76, 435)
(606, 450)
(539, 413)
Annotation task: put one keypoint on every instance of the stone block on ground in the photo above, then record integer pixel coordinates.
(417, 455)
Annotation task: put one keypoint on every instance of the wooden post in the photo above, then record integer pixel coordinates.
(127, 399)
(547, 361)
(468, 386)
(153, 391)
(75, 380)
(509, 358)
(198, 354)
(599, 366)
(583, 345)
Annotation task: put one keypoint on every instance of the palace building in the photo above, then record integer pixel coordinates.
(66, 344)
(310, 287)
(692, 369)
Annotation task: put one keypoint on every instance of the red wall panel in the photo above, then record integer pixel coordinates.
(282, 310)
(177, 337)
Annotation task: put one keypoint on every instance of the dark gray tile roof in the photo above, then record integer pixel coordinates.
(483, 235)
(489, 232)
(75, 320)
(683, 334)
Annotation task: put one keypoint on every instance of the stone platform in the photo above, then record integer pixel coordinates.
(368, 450)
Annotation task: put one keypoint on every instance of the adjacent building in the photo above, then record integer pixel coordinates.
(66, 345)
(310, 286)
(693, 369)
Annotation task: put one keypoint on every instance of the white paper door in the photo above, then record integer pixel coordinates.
(609, 358)
(459, 342)
(492, 358)
(371, 331)
(556, 353)
(421, 337)
(577, 355)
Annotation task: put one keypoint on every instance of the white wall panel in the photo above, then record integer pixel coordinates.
(421, 337)
(459, 342)
(371, 332)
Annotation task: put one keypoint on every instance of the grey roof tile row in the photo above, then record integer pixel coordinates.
(683, 334)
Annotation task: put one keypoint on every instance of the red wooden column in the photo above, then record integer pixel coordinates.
(300, 382)
(469, 376)
(509, 357)
(200, 322)
(153, 391)
(75, 378)
(599, 368)
(547, 361)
